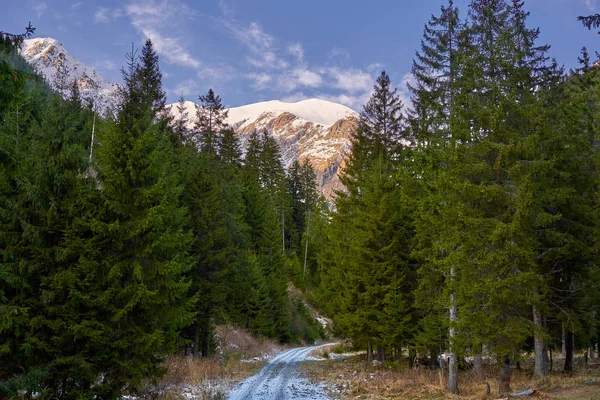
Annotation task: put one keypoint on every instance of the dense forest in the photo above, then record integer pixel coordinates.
(126, 238)
(468, 225)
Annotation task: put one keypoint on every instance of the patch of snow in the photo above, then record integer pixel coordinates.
(47, 55)
(317, 111)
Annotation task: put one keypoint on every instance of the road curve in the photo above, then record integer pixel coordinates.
(280, 379)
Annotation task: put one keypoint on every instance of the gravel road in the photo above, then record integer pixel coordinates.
(281, 379)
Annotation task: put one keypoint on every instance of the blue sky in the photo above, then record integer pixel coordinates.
(254, 50)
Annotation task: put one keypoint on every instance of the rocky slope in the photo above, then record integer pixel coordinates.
(47, 56)
(312, 129)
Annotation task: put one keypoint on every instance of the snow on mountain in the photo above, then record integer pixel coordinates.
(312, 110)
(48, 55)
(313, 129)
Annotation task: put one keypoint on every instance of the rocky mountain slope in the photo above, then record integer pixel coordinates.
(312, 129)
(47, 56)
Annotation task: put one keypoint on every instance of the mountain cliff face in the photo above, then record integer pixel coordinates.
(312, 129)
(48, 55)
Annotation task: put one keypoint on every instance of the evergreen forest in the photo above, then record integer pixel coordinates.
(469, 225)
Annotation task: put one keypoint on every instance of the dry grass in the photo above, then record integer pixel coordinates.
(239, 355)
(202, 378)
(237, 343)
(350, 377)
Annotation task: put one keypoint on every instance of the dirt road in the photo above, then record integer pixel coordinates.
(280, 379)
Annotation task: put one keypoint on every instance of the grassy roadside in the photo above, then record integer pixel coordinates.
(238, 356)
(349, 377)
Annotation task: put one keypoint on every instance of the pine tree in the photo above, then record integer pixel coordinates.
(142, 236)
(40, 181)
(379, 132)
(436, 69)
(151, 94)
(210, 121)
(180, 123)
(369, 231)
(230, 150)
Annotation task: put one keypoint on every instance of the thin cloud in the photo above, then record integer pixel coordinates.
(153, 18)
(40, 9)
(297, 51)
(282, 67)
(104, 15)
(591, 5)
(187, 88)
(295, 97)
(339, 53)
(261, 80)
(105, 64)
(221, 73)
(375, 67)
(350, 80)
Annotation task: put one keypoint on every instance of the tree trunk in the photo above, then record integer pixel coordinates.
(412, 356)
(196, 344)
(369, 352)
(504, 377)
(452, 360)
(551, 359)
(564, 345)
(478, 363)
(306, 247)
(591, 350)
(381, 354)
(569, 344)
(434, 359)
(206, 341)
(539, 343)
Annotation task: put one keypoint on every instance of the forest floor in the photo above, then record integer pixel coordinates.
(347, 376)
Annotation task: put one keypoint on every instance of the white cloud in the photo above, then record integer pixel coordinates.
(308, 78)
(153, 18)
(297, 51)
(40, 8)
(591, 5)
(356, 102)
(283, 67)
(75, 6)
(403, 91)
(339, 53)
(295, 97)
(261, 80)
(263, 53)
(219, 73)
(105, 64)
(186, 88)
(350, 80)
(375, 67)
(103, 15)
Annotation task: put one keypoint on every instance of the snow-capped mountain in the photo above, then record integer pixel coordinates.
(313, 129)
(48, 55)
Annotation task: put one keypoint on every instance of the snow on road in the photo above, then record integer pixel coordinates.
(281, 379)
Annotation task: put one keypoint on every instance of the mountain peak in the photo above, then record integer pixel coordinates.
(317, 111)
(47, 55)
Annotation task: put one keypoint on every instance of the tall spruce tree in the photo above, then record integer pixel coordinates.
(436, 69)
(367, 233)
(141, 232)
(210, 121)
